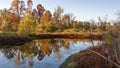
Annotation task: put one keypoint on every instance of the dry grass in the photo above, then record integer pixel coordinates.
(88, 59)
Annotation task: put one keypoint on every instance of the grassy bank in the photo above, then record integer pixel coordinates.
(92, 59)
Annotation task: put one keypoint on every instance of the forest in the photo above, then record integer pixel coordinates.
(21, 19)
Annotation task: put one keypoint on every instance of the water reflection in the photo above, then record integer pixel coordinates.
(26, 54)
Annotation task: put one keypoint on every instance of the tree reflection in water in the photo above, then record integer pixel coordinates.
(38, 48)
(8, 52)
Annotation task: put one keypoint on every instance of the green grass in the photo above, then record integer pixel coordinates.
(70, 65)
(8, 34)
(69, 62)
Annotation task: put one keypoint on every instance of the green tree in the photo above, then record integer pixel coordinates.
(44, 28)
(27, 25)
(8, 27)
(50, 27)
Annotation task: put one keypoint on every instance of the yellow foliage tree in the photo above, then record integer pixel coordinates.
(46, 17)
(27, 25)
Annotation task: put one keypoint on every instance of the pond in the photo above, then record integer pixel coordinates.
(44, 53)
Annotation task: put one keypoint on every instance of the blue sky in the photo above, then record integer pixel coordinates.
(81, 9)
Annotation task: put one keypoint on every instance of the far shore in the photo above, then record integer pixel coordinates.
(67, 35)
(16, 40)
(10, 41)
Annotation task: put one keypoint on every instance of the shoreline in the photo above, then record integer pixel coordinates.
(89, 59)
(16, 40)
(67, 35)
(11, 41)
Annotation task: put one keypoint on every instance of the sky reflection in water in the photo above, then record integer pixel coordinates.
(47, 53)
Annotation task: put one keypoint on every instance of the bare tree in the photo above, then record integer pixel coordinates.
(22, 7)
(57, 14)
(40, 9)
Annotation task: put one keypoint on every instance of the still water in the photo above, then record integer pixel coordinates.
(45, 53)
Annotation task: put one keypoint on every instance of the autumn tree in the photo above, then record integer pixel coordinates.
(18, 8)
(50, 27)
(86, 25)
(15, 6)
(44, 28)
(45, 23)
(27, 25)
(22, 7)
(81, 25)
(29, 7)
(40, 9)
(8, 18)
(66, 20)
(38, 12)
(29, 4)
(46, 18)
(57, 14)
(8, 27)
(74, 24)
(5, 16)
(56, 20)
(35, 15)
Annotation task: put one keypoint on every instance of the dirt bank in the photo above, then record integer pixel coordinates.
(89, 59)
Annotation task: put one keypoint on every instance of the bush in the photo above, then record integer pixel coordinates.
(71, 30)
(44, 28)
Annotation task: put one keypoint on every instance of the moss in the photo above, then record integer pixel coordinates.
(69, 63)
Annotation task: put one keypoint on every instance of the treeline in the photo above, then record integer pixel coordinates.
(18, 12)
(22, 18)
